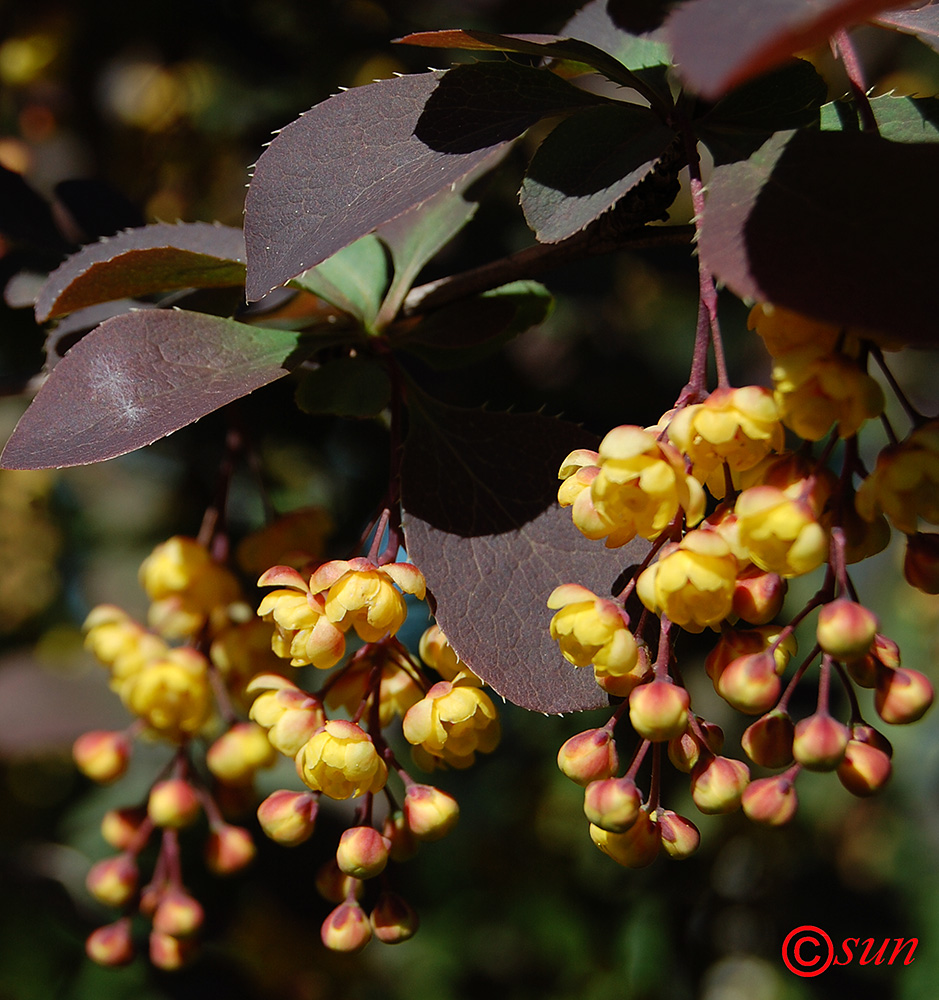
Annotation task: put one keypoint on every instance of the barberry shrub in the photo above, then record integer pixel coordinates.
(694, 524)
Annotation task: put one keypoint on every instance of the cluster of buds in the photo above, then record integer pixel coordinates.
(774, 515)
(447, 723)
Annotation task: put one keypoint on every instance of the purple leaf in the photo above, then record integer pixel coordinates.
(366, 156)
(718, 44)
(139, 377)
(157, 258)
(839, 225)
(627, 29)
(924, 23)
(482, 522)
(587, 164)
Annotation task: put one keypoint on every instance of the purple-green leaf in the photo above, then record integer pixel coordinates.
(157, 258)
(139, 377)
(587, 164)
(923, 23)
(718, 44)
(628, 29)
(366, 156)
(838, 225)
(482, 522)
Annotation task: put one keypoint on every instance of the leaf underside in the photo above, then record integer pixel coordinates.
(156, 258)
(482, 521)
(139, 377)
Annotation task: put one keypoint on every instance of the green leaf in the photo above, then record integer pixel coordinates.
(587, 164)
(899, 119)
(354, 279)
(347, 387)
(467, 331)
(600, 25)
(738, 124)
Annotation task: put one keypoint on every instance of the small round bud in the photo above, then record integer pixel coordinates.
(750, 683)
(612, 804)
(864, 770)
(717, 784)
(921, 564)
(403, 845)
(288, 818)
(430, 813)
(846, 629)
(819, 742)
(636, 847)
(680, 837)
(362, 852)
(589, 756)
(884, 653)
(113, 881)
(334, 885)
(173, 803)
(170, 953)
(863, 733)
(393, 919)
(758, 595)
(658, 710)
(101, 755)
(237, 755)
(772, 801)
(229, 849)
(685, 751)
(346, 929)
(111, 945)
(902, 696)
(768, 742)
(178, 914)
(121, 827)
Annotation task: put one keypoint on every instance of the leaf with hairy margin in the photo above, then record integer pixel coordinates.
(899, 119)
(838, 225)
(139, 377)
(367, 156)
(482, 522)
(157, 258)
(923, 23)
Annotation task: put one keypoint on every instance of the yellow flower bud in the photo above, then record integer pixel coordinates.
(429, 813)
(437, 653)
(172, 694)
(636, 847)
(346, 929)
(237, 755)
(780, 535)
(102, 756)
(111, 945)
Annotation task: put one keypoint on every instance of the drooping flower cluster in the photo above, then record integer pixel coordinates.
(775, 515)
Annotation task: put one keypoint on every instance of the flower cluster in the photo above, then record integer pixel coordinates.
(775, 515)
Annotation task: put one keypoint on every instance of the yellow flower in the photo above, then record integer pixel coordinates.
(361, 595)
(453, 722)
(783, 330)
(780, 534)
(578, 471)
(304, 634)
(692, 583)
(815, 392)
(341, 761)
(172, 694)
(120, 643)
(290, 716)
(437, 652)
(905, 482)
(737, 426)
(590, 629)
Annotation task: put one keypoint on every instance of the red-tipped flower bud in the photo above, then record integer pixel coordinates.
(902, 696)
(121, 827)
(589, 756)
(612, 804)
(362, 852)
(865, 769)
(101, 755)
(750, 683)
(819, 742)
(236, 756)
(334, 885)
(229, 849)
(170, 953)
(680, 837)
(772, 801)
(768, 742)
(717, 784)
(393, 919)
(403, 845)
(111, 945)
(846, 629)
(658, 710)
(114, 880)
(429, 812)
(346, 929)
(758, 595)
(178, 914)
(884, 653)
(635, 848)
(173, 803)
(288, 817)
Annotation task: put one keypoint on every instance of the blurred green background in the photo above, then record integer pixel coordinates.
(170, 103)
